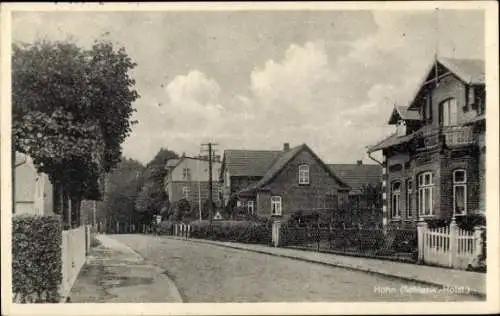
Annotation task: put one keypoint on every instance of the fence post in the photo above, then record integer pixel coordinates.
(421, 230)
(478, 243)
(453, 243)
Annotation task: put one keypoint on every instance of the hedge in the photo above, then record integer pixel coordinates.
(36, 258)
(251, 232)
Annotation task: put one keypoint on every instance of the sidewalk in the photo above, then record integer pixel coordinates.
(472, 282)
(114, 273)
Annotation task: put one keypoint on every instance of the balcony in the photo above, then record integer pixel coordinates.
(458, 136)
(450, 136)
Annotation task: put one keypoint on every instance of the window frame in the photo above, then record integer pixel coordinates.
(304, 174)
(276, 201)
(396, 196)
(409, 198)
(462, 184)
(425, 190)
(186, 173)
(447, 104)
(251, 207)
(186, 191)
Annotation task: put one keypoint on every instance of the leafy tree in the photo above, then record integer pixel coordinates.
(124, 183)
(71, 110)
(152, 198)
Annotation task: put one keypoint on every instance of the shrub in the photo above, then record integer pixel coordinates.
(468, 222)
(36, 258)
(254, 232)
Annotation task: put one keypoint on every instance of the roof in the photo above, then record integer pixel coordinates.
(281, 161)
(468, 70)
(356, 176)
(249, 163)
(403, 113)
(172, 162)
(390, 141)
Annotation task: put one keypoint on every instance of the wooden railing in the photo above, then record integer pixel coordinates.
(451, 136)
(458, 135)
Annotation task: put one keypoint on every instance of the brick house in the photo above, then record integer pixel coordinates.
(240, 169)
(188, 178)
(293, 180)
(434, 164)
(365, 197)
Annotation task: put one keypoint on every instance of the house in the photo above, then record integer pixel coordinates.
(32, 190)
(434, 164)
(188, 178)
(241, 168)
(365, 197)
(279, 185)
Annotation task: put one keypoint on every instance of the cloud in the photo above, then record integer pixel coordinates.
(255, 79)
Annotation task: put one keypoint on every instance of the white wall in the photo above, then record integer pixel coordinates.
(198, 170)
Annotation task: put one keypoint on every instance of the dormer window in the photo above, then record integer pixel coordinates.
(304, 174)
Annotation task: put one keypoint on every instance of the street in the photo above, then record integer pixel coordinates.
(207, 273)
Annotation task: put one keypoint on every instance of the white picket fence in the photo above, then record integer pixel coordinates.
(182, 230)
(449, 246)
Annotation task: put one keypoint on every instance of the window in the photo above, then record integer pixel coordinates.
(425, 187)
(428, 104)
(185, 192)
(459, 192)
(303, 174)
(395, 199)
(449, 112)
(250, 207)
(409, 197)
(186, 173)
(275, 205)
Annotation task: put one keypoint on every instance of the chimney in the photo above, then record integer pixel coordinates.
(359, 162)
(286, 146)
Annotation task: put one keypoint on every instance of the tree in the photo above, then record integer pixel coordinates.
(123, 188)
(153, 198)
(71, 110)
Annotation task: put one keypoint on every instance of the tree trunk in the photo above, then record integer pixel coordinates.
(66, 208)
(75, 214)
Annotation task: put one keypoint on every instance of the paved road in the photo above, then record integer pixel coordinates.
(206, 273)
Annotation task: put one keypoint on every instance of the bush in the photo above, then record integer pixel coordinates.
(36, 258)
(252, 232)
(468, 222)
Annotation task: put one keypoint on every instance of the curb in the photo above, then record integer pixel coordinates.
(338, 265)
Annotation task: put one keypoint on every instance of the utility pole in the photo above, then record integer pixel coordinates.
(211, 149)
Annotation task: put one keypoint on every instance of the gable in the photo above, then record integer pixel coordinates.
(198, 169)
(468, 71)
(289, 162)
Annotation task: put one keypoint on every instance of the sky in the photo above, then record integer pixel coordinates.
(258, 79)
